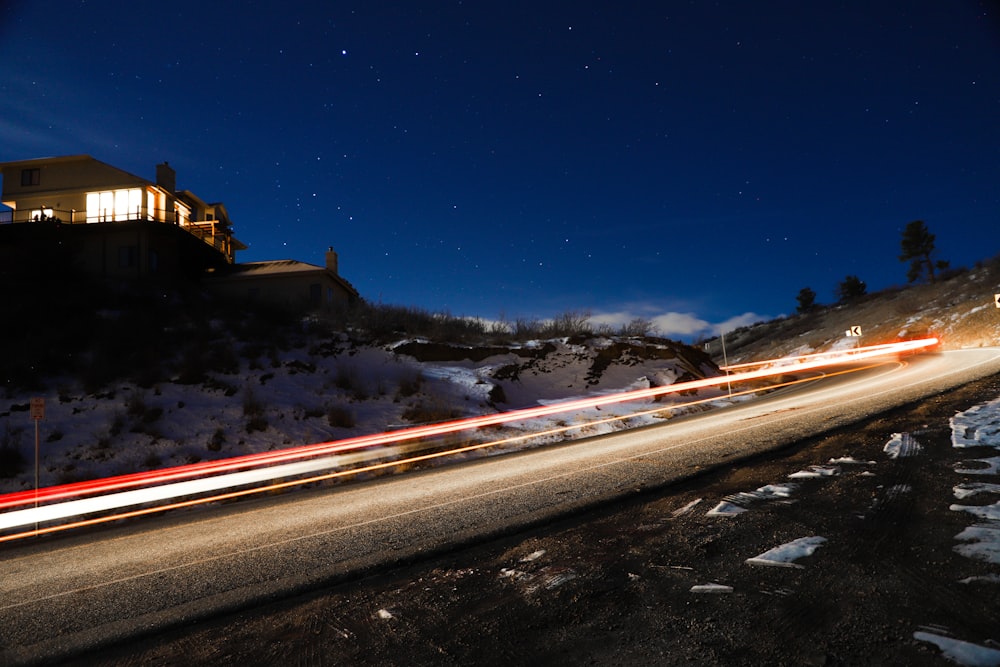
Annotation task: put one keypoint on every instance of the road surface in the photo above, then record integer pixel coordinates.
(63, 595)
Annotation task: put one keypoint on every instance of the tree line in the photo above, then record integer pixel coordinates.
(916, 247)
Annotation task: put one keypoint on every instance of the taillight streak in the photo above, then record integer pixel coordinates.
(274, 465)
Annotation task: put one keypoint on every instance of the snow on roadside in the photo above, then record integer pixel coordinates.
(711, 588)
(962, 653)
(785, 554)
(978, 426)
(737, 502)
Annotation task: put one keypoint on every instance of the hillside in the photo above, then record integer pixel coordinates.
(156, 382)
(319, 385)
(959, 310)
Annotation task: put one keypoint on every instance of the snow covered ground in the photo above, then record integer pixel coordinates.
(307, 397)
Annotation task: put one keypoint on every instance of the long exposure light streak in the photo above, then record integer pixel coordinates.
(166, 484)
(373, 467)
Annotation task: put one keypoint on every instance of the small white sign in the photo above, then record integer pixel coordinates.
(854, 331)
(996, 299)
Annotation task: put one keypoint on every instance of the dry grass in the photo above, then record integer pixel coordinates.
(959, 310)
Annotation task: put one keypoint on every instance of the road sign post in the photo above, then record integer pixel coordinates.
(854, 332)
(725, 360)
(37, 411)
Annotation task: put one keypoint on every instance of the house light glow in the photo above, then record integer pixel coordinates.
(118, 205)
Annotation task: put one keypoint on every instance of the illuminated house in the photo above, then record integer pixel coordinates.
(131, 222)
(113, 224)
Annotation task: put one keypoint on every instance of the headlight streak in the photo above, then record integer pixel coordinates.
(354, 471)
(308, 458)
(882, 348)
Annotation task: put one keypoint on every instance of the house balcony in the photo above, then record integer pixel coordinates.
(213, 232)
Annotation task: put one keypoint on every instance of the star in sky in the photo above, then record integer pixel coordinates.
(707, 160)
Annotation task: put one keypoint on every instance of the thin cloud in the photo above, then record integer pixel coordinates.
(672, 323)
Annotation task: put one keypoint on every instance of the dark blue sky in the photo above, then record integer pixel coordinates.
(696, 163)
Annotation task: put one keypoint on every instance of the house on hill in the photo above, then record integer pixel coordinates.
(113, 224)
(285, 282)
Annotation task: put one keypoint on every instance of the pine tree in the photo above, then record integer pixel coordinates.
(917, 246)
(806, 299)
(851, 288)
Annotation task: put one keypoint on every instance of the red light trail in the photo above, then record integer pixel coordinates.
(175, 482)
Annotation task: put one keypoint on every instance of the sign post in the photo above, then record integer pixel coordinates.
(854, 332)
(725, 360)
(37, 411)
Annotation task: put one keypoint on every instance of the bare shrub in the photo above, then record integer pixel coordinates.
(638, 326)
(12, 462)
(347, 378)
(218, 439)
(430, 412)
(253, 410)
(525, 329)
(570, 323)
(135, 404)
(340, 417)
(409, 384)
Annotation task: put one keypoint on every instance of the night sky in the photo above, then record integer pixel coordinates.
(694, 163)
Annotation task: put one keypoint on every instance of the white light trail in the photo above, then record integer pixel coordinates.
(172, 484)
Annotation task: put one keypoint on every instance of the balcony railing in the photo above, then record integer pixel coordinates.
(212, 232)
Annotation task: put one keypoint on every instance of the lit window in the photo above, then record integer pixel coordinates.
(114, 205)
(181, 213)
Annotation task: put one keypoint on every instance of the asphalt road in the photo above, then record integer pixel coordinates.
(66, 594)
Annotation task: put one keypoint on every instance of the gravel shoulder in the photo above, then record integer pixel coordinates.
(614, 586)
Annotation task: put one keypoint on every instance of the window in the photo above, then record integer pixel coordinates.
(126, 257)
(182, 214)
(31, 177)
(114, 205)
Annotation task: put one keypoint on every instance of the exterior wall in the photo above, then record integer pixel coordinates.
(63, 184)
(79, 173)
(296, 290)
(122, 250)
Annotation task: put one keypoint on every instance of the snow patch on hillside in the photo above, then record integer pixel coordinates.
(333, 391)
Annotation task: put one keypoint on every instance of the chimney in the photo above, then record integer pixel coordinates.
(166, 177)
(331, 260)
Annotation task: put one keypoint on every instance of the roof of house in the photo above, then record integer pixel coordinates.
(278, 267)
(59, 158)
(272, 267)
